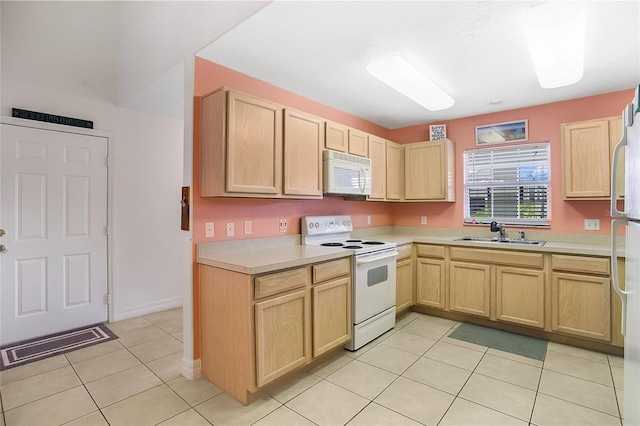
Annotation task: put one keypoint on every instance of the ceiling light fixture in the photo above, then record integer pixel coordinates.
(399, 74)
(555, 32)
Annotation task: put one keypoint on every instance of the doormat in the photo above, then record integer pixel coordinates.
(16, 354)
(526, 346)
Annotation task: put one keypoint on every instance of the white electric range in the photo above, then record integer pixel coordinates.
(373, 266)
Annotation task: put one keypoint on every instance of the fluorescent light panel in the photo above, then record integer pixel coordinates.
(555, 32)
(400, 75)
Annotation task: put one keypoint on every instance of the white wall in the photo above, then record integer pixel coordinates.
(148, 265)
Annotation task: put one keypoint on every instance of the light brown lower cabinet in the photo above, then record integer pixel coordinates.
(470, 288)
(431, 276)
(256, 329)
(580, 305)
(520, 296)
(431, 282)
(331, 315)
(405, 294)
(581, 296)
(283, 340)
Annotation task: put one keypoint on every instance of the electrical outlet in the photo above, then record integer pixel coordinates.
(592, 224)
(247, 226)
(423, 220)
(283, 225)
(230, 230)
(368, 220)
(208, 230)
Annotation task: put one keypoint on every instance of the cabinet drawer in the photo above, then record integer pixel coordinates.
(499, 257)
(268, 285)
(326, 271)
(592, 265)
(404, 251)
(427, 250)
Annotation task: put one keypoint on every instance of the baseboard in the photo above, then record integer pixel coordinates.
(191, 369)
(148, 308)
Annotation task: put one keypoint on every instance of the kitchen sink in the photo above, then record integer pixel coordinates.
(501, 241)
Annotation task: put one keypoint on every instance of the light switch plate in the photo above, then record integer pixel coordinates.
(208, 230)
(230, 230)
(423, 220)
(368, 220)
(592, 224)
(247, 226)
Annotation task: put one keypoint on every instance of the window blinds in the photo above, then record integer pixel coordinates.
(507, 184)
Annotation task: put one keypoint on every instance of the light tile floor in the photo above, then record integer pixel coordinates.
(412, 375)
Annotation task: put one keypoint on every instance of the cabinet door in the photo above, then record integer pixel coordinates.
(254, 145)
(331, 315)
(520, 296)
(585, 159)
(377, 148)
(425, 171)
(336, 137)
(358, 143)
(581, 305)
(395, 171)
(469, 288)
(282, 335)
(430, 282)
(404, 285)
(303, 139)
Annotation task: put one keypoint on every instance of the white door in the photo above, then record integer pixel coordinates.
(53, 210)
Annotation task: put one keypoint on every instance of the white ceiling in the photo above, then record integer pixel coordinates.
(130, 53)
(475, 50)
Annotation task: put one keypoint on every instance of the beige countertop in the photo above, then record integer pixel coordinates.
(548, 247)
(254, 262)
(263, 255)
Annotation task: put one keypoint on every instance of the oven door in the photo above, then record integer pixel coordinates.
(374, 284)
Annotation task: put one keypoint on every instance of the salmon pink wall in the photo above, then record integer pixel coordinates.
(265, 214)
(544, 125)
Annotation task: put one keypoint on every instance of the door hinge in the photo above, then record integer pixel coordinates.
(107, 161)
(107, 298)
(106, 230)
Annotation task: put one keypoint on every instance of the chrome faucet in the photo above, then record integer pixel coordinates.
(496, 227)
(522, 235)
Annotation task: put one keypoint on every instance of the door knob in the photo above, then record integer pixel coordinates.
(2, 232)
(2, 248)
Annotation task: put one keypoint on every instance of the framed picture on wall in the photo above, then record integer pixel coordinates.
(511, 131)
(437, 132)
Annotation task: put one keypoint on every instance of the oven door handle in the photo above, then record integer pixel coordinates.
(360, 261)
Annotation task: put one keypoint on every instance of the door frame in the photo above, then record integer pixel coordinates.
(111, 142)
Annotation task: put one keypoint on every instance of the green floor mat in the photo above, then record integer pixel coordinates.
(529, 347)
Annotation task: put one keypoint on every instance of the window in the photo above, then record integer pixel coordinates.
(507, 184)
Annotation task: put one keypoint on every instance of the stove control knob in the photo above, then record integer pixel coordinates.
(348, 223)
(317, 225)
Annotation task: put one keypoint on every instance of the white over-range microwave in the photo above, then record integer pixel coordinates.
(346, 174)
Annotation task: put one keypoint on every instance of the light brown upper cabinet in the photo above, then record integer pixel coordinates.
(394, 171)
(377, 148)
(241, 145)
(344, 139)
(336, 137)
(586, 158)
(249, 150)
(303, 140)
(429, 171)
(358, 143)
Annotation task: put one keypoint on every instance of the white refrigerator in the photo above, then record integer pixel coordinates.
(629, 218)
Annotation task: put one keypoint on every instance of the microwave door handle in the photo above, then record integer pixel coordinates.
(361, 179)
